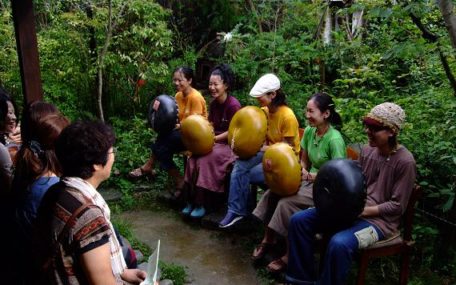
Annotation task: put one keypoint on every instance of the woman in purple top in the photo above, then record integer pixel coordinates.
(207, 173)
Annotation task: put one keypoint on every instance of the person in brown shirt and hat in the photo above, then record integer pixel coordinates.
(390, 171)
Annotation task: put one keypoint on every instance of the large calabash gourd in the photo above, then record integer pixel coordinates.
(197, 134)
(165, 118)
(282, 171)
(339, 193)
(247, 131)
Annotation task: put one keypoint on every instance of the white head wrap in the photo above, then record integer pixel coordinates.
(267, 83)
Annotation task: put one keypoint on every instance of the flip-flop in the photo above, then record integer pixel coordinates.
(140, 172)
(260, 250)
(276, 266)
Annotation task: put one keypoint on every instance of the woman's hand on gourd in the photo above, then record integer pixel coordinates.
(156, 105)
(264, 147)
(306, 175)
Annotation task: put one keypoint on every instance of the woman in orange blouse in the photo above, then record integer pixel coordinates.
(190, 102)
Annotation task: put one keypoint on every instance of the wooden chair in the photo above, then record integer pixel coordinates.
(353, 151)
(398, 244)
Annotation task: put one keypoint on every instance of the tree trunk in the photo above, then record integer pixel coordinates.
(446, 8)
(328, 27)
(448, 71)
(110, 27)
(321, 24)
(101, 63)
(357, 23)
(431, 37)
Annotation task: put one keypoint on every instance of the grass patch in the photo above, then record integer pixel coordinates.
(173, 271)
(125, 230)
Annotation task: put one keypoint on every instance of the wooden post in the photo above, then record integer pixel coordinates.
(27, 49)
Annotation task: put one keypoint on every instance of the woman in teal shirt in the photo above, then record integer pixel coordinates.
(321, 142)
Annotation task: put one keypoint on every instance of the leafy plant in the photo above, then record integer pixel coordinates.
(174, 272)
(125, 230)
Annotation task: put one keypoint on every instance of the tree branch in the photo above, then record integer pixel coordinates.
(433, 38)
(448, 71)
(446, 8)
(110, 27)
(255, 13)
(428, 35)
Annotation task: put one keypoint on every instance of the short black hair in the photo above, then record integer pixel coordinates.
(82, 145)
(186, 71)
(280, 99)
(226, 74)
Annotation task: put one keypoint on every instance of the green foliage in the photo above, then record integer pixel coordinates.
(140, 46)
(64, 65)
(70, 38)
(9, 66)
(174, 272)
(431, 117)
(126, 187)
(133, 138)
(196, 22)
(125, 230)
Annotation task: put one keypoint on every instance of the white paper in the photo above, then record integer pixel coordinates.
(152, 267)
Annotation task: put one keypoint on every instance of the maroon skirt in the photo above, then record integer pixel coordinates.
(211, 168)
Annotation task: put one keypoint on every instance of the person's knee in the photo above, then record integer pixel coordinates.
(304, 220)
(239, 172)
(167, 164)
(339, 244)
(297, 219)
(240, 165)
(282, 207)
(161, 153)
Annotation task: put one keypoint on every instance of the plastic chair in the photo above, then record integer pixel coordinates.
(398, 244)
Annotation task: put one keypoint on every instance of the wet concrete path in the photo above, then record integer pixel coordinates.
(210, 257)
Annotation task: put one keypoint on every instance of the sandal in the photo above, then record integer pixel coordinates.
(140, 172)
(260, 250)
(277, 266)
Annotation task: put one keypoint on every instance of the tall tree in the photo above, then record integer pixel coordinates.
(101, 58)
(447, 10)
